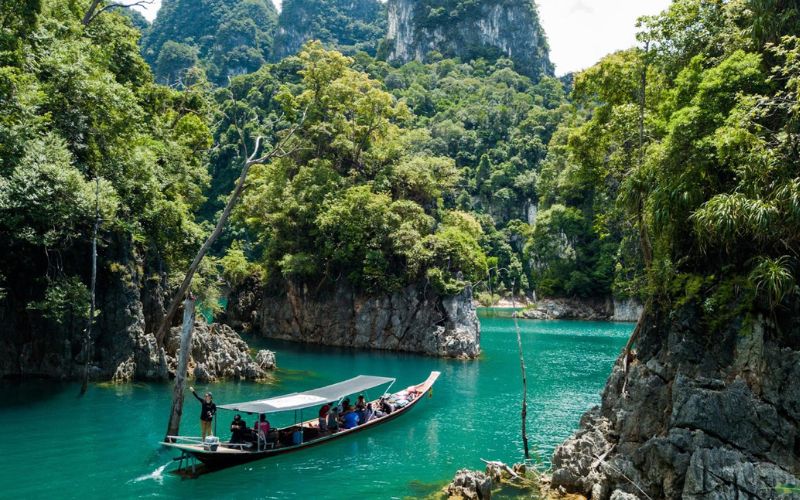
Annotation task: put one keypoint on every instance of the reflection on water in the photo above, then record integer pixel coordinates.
(497, 312)
(105, 444)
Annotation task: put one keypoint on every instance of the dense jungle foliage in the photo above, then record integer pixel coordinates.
(668, 173)
(84, 129)
(691, 140)
(221, 38)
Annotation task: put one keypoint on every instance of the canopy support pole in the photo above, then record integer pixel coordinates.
(387, 389)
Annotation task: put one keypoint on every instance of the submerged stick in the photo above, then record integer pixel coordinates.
(524, 377)
(180, 373)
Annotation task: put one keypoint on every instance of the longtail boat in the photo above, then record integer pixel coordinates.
(214, 454)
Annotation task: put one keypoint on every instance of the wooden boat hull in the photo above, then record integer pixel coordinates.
(224, 457)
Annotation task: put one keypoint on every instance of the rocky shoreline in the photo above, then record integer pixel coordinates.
(695, 416)
(217, 352)
(601, 309)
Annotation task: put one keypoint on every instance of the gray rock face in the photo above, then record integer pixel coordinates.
(31, 345)
(414, 319)
(486, 28)
(470, 484)
(702, 416)
(627, 310)
(599, 310)
(123, 346)
(217, 352)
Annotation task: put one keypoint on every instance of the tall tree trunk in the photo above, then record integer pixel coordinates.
(188, 312)
(87, 338)
(173, 427)
(187, 280)
(644, 235)
(90, 12)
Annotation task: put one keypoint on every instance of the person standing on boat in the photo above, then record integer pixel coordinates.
(207, 412)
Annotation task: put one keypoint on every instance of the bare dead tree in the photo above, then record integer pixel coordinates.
(97, 7)
(524, 411)
(180, 372)
(253, 159)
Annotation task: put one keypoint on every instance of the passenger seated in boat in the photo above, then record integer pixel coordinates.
(361, 404)
(343, 406)
(238, 429)
(333, 419)
(362, 414)
(323, 417)
(369, 414)
(386, 406)
(262, 426)
(350, 418)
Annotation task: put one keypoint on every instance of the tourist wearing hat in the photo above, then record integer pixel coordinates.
(238, 429)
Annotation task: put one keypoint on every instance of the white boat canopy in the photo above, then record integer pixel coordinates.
(306, 399)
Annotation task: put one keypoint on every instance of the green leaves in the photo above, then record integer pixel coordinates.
(46, 201)
(359, 196)
(774, 277)
(66, 300)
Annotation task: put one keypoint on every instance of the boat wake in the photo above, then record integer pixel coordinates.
(157, 475)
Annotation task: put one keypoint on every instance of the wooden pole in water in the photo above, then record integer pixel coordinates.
(87, 338)
(180, 373)
(524, 376)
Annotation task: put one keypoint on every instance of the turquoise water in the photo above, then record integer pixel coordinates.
(104, 445)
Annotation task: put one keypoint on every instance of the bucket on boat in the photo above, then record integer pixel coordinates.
(210, 443)
(297, 437)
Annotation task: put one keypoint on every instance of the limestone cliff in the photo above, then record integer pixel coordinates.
(469, 30)
(698, 415)
(123, 346)
(414, 319)
(343, 24)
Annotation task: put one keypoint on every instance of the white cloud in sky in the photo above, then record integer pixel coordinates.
(580, 32)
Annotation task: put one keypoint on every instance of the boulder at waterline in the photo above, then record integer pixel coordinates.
(217, 352)
(470, 484)
(561, 308)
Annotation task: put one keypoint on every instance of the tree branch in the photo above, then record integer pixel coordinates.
(92, 12)
(187, 280)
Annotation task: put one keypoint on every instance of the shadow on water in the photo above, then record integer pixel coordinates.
(35, 391)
